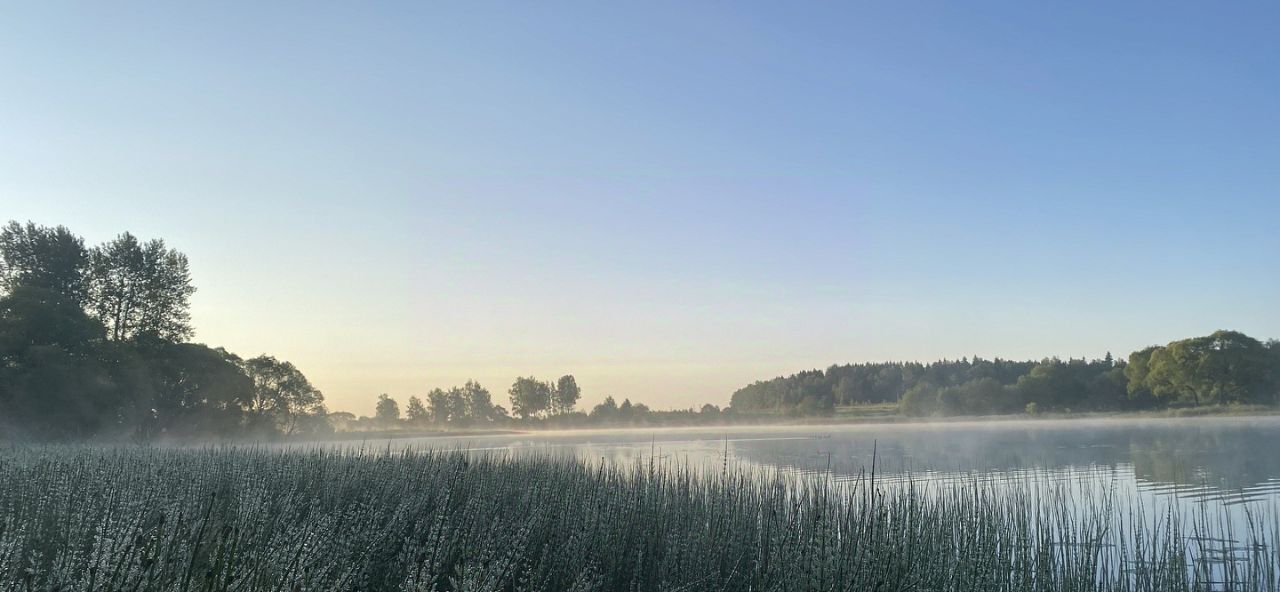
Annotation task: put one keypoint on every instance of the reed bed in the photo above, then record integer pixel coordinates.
(253, 519)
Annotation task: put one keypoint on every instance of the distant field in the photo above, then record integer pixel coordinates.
(247, 519)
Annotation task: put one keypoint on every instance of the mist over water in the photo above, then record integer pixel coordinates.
(1211, 479)
(1169, 456)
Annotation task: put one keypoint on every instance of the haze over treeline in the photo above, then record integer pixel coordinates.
(95, 341)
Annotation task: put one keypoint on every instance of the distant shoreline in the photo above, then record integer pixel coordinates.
(762, 421)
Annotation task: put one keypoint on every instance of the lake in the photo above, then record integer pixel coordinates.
(1217, 479)
(1227, 460)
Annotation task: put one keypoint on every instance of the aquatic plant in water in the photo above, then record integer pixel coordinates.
(79, 518)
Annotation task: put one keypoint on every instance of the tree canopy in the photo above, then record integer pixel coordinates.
(94, 344)
(1223, 368)
(530, 397)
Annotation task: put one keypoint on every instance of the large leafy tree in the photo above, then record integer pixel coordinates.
(52, 378)
(479, 402)
(416, 412)
(36, 317)
(282, 399)
(387, 411)
(470, 402)
(1135, 372)
(196, 390)
(606, 410)
(566, 394)
(439, 405)
(1225, 367)
(529, 397)
(141, 289)
(92, 344)
(50, 259)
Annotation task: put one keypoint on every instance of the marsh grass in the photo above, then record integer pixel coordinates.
(257, 519)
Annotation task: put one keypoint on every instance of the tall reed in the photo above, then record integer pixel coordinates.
(78, 518)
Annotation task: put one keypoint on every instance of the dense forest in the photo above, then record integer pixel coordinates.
(1224, 368)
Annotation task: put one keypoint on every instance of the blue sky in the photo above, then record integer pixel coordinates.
(668, 200)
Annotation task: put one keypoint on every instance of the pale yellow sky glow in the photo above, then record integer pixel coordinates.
(669, 203)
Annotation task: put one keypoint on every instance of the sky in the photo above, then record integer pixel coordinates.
(668, 200)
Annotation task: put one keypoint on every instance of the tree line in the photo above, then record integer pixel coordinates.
(1226, 367)
(94, 342)
(534, 403)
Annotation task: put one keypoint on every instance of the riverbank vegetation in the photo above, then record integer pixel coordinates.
(1226, 368)
(242, 519)
(96, 343)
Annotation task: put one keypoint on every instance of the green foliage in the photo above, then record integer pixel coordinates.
(51, 370)
(415, 412)
(283, 398)
(1224, 368)
(91, 347)
(566, 395)
(807, 393)
(43, 258)
(195, 390)
(609, 412)
(468, 404)
(920, 400)
(32, 317)
(387, 410)
(138, 289)
(606, 410)
(976, 397)
(478, 402)
(440, 405)
(1273, 347)
(530, 397)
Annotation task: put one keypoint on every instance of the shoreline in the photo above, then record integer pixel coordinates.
(1218, 412)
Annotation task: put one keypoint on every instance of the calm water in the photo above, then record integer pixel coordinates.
(1213, 463)
(1222, 460)
(1218, 478)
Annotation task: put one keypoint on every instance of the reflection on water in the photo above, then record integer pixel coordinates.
(1215, 480)
(1229, 459)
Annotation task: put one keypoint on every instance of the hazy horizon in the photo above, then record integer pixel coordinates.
(667, 201)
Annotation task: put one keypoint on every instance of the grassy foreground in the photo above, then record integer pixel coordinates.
(253, 519)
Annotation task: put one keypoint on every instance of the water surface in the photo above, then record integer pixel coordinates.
(1229, 460)
(1215, 479)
